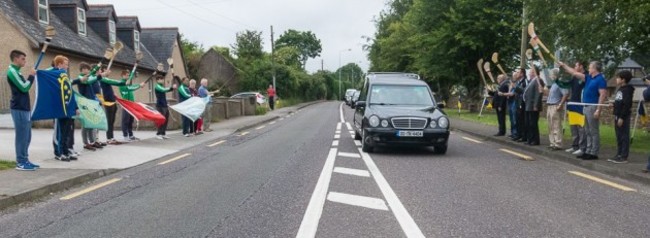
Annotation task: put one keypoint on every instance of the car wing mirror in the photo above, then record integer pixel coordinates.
(441, 105)
(360, 104)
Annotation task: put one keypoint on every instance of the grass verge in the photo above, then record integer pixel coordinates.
(7, 164)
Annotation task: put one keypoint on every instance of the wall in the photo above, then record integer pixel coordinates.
(18, 42)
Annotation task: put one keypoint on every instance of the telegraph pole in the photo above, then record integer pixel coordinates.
(273, 58)
(524, 37)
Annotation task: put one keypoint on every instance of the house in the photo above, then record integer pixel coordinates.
(637, 82)
(83, 33)
(220, 72)
(165, 43)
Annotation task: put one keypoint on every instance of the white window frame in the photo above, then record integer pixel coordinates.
(136, 40)
(84, 31)
(112, 32)
(47, 12)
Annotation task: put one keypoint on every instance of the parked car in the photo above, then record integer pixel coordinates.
(348, 95)
(355, 98)
(399, 109)
(261, 99)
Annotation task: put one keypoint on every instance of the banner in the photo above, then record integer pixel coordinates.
(575, 116)
(141, 111)
(192, 108)
(91, 113)
(54, 97)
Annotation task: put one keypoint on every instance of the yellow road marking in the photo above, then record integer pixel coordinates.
(260, 127)
(90, 189)
(472, 140)
(602, 181)
(244, 133)
(174, 159)
(523, 156)
(217, 143)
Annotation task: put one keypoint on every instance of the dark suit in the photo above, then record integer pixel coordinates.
(533, 99)
(520, 106)
(499, 103)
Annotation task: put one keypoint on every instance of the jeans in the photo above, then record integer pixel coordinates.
(162, 129)
(187, 126)
(512, 116)
(23, 126)
(127, 124)
(623, 138)
(110, 118)
(592, 130)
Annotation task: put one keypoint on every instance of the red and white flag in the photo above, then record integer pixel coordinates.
(141, 111)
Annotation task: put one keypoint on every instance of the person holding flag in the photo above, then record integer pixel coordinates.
(85, 84)
(126, 90)
(20, 109)
(161, 105)
(574, 113)
(184, 94)
(63, 123)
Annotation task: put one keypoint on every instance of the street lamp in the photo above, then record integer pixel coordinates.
(341, 51)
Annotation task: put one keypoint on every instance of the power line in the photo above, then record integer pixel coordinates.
(221, 15)
(196, 17)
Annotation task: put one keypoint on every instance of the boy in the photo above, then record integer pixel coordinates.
(20, 109)
(161, 105)
(184, 94)
(127, 94)
(63, 127)
(84, 84)
(110, 104)
(622, 112)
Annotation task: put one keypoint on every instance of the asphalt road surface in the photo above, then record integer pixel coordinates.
(304, 176)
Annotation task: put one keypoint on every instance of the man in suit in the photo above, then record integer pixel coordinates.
(533, 100)
(499, 102)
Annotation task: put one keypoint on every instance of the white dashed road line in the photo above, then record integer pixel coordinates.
(349, 155)
(335, 143)
(356, 172)
(355, 200)
(310, 220)
(217, 143)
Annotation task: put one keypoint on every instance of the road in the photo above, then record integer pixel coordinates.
(303, 176)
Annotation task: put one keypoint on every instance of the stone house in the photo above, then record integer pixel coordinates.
(220, 72)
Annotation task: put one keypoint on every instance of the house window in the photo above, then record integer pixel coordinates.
(43, 12)
(81, 21)
(111, 32)
(136, 41)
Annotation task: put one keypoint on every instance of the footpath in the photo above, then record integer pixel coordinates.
(630, 171)
(18, 187)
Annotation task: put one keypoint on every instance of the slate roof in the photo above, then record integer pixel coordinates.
(160, 42)
(66, 39)
(127, 22)
(100, 11)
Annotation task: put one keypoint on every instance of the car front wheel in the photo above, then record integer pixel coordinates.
(441, 150)
(365, 145)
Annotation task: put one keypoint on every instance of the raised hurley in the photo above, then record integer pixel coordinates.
(116, 49)
(492, 87)
(479, 64)
(535, 38)
(495, 60)
(50, 32)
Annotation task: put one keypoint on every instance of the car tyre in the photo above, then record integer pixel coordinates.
(440, 150)
(356, 135)
(365, 146)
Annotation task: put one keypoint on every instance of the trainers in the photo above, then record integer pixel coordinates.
(166, 137)
(620, 161)
(186, 135)
(62, 158)
(569, 150)
(71, 157)
(73, 152)
(613, 159)
(126, 139)
(25, 167)
(578, 152)
(159, 137)
(133, 138)
(33, 165)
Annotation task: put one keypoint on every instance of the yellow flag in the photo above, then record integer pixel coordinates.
(576, 119)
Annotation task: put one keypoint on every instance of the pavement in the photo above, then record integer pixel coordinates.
(17, 187)
(630, 171)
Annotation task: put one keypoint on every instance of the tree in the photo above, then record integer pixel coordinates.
(288, 55)
(248, 45)
(192, 52)
(305, 41)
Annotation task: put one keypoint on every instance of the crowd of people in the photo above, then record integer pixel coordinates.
(93, 82)
(520, 97)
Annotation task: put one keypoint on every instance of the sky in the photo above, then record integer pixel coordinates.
(339, 24)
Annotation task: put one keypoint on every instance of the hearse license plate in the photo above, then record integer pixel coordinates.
(410, 133)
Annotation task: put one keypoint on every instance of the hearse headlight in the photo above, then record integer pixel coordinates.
(384, 123)
(443, 122)
(433, 123)
(373, 121)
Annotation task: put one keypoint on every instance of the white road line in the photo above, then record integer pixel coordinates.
(335, 143)
(403, 217)
(338, 126)
(357, 143)
(258, 128)
(520, 155)
(310, 220)
(338, 132)
(351, 132)
(244, 133)
(337, 136)
(355, 200)
(599, 180)
(352, 136)
(357, 172)
(349, 155)
(347, 124)
(282, 118)
(217, 143)
(273, 122)
(341, 112)
(174, 159)
(472, 140)
(90, 189)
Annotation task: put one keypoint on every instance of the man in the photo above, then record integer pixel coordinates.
(271, 93)
(499, 102)
(207, 115)
(514, 101)
(533, 100)
(578, 140)
(594, 95)
(184, 94)
(520, 105)
(20, 109)
(127, 94)
(557, 95)
(161, 105)
(63, 127)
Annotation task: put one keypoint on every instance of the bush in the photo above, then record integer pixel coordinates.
(260, 110)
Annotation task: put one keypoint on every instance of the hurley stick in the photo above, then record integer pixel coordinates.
(533, 35)
(495, 60)
(480, 70)
(116, 49)
(49, 34)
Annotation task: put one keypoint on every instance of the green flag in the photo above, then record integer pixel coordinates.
(91, 113)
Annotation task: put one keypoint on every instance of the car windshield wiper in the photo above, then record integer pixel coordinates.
(382, 103)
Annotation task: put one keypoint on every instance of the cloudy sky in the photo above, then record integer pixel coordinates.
(339, 24)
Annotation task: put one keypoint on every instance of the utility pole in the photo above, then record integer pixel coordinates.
(273, 58)
(524, 36)
(322, 65)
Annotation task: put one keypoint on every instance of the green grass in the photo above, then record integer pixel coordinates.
(607, 134)
(7, 164)
(260, 110)
(287, 102)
